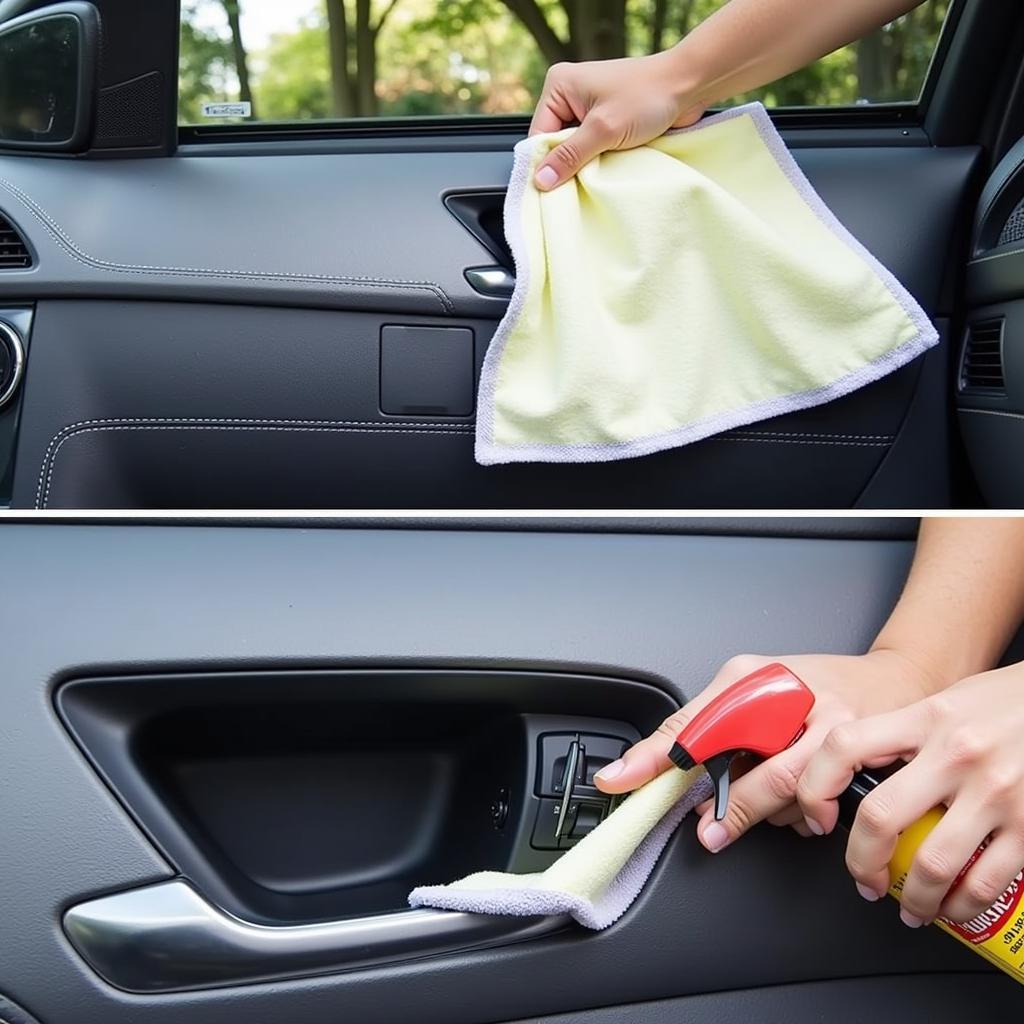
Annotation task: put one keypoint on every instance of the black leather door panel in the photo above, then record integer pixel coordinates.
(663, 609)
(369, 230)
(173, 405)
(284, 268)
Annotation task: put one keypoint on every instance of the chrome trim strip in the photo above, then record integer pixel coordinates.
(168, 938)
(495, 282)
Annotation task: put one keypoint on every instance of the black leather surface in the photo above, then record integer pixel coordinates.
(664, 609)
(995, 444)
(139, 405)
(919, 468)
(880, 1000)
(134, 404)
(369, 230)
(826, 527)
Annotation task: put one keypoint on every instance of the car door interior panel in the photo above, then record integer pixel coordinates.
(253, 693)
(300, 330)
(235, 748)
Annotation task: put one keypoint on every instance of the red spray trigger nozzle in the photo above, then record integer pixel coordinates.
(761, 714)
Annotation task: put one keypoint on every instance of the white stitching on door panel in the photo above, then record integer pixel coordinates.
(825, 436)
(302, 430)
(226, 423)
(64, 240)
(46, 470)
(779, 440)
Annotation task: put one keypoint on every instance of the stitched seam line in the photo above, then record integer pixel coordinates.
(825, 435)
(831, 444)
(223, 423)
(64, 240)
(47, 470)
(229, 427)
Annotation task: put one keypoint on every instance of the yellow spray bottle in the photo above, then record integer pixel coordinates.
(763, 714)
(997, 933)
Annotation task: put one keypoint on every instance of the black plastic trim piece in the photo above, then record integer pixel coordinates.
(887, 115)
(999, 197)
(499, 141)
(998, 276)
(19, 320)
(940, 54)
(978, 45)
(863, 527)
(8, 223)
(480, 212)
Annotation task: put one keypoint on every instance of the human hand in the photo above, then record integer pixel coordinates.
(618, 104)
(846, 688)
(964, 750)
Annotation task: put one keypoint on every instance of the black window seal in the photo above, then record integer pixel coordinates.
(892, 115)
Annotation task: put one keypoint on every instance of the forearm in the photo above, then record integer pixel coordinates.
(749, 43)
(963, 600)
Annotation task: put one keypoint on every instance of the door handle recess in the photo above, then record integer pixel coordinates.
(168, 938)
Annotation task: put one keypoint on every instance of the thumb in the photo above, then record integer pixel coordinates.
(567, 158)
(648, 758)
(644, 760)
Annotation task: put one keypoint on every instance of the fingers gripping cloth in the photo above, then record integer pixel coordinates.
(598, 878)
(670, 292)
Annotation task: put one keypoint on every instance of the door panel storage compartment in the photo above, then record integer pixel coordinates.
(312, 795)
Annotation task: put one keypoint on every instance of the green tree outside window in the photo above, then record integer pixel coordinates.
(312, 59)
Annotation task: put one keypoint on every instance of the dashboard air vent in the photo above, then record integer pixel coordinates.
(983, 357)
(14, 254)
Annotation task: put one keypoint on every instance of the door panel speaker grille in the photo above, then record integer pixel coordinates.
(1013, 229)
(982, 368)
(131, 113)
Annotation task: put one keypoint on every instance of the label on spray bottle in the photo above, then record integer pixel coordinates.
(997, 934)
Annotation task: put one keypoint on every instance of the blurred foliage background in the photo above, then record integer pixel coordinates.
(364, 58)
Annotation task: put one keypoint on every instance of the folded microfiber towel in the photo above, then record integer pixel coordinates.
(679, 289)
(597, 879)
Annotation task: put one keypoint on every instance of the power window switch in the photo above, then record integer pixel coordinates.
(582, 817)
(589, 814)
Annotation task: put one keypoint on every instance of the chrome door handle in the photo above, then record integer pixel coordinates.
(168, 938)
(495, 282)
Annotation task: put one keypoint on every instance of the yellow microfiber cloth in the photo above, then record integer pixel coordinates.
(597, 879)
(679, 289)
